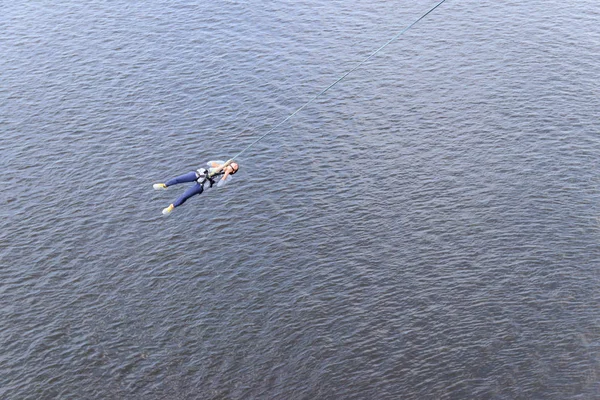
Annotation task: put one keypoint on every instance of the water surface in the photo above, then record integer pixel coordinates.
(428, 229)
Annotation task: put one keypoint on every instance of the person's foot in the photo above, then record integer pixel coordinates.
(159, 186)
(168, 210)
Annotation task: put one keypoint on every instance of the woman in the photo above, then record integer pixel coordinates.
(202, 177)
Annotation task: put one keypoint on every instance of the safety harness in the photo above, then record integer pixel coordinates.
(203, 175)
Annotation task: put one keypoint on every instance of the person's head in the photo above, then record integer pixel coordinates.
(233, 168)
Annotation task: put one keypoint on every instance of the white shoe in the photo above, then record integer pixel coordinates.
(159, 186)
(168, 210)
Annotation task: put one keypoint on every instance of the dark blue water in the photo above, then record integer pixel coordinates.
(427, 229)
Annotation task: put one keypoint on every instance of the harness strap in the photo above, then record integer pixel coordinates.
(203, 175)
(211, 180)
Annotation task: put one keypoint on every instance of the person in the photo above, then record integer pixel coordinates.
(201, 177)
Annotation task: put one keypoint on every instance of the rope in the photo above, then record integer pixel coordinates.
(339, 79)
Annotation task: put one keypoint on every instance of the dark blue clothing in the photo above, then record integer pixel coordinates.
(185, 178)
(192, 191)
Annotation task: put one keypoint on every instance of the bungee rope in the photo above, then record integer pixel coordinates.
(333, 84)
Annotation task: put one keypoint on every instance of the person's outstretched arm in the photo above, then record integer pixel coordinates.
(216, 167)
(215, 164)
(225, 175)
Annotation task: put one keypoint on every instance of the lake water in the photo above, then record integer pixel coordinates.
(427, 229)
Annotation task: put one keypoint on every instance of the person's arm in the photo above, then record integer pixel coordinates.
(222, 181)
(217, 167)
(220, 168)
(225, 175)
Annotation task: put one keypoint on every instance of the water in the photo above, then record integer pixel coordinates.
(428, 229)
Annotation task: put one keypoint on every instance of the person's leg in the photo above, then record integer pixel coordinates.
(189, 177)
(192, 191)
